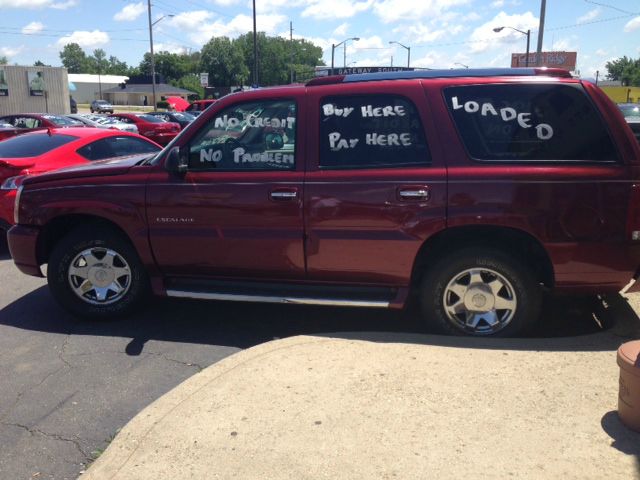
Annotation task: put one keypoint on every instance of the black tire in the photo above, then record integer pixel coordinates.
(83, 246)
(460, 294)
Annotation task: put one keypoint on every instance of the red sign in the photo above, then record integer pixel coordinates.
(566, 60)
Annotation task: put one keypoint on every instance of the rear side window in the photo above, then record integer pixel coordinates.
(116, 147)
(28, 145)
(533, 122)
(371, 131)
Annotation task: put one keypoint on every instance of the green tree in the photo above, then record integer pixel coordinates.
(116, 67)
(277, 57)
(3, 60)
(98, 63)
(223, 59)
(172, 66)
(39, 63)
(74, 58)
(190, 82)
(625, 70)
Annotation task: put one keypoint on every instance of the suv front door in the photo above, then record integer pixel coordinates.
(237, 211)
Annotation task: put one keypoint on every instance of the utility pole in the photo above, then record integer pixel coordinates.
(255, 47)
(153, 63)
(543, 7)
(291, 47)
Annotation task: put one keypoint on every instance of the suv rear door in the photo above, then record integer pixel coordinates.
(376, 185)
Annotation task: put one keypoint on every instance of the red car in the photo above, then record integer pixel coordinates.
(471, 191)
(153, 128)
(39, 152)
(29, 122)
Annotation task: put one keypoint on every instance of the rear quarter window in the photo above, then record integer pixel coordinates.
(24, 146)
(529, 123)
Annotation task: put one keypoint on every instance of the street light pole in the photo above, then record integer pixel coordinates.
(153, 63)
(334, 46)
(408, 51)
(527, 33)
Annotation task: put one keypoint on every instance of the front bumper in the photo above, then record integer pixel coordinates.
(23, 242)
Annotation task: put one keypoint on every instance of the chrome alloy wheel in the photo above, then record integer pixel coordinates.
(99, 276)
(479, 301)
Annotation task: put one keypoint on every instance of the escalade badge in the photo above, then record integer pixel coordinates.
(174, 220)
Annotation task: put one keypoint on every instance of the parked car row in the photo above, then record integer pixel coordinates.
(42, 151)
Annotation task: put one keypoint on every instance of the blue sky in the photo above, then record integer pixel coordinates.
(440, 33)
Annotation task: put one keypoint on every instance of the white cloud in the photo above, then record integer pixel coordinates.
(332, 9)
(130, 12)
(170, 47)
(632, 25)
(10, 51)
(33, 27)
(601, 52)
(563, 45)
(202, 25)
(341, 30)
(484, 38)
(228, 3)
(421, 33)
(36, 4)
(85, 39)
(64, 5)
(393, 10)
(497, 4)
(590, 15)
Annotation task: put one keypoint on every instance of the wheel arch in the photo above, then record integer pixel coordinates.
(53, 231)
(522, 245)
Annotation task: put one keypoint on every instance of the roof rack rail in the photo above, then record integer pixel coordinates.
(452, 73)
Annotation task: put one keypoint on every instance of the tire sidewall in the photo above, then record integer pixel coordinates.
(65, 252)
(526, 290)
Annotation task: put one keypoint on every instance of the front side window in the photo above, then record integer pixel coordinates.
(532, 122)
(257, 135)
(371, 131)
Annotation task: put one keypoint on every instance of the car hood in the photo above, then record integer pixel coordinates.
(100, 168)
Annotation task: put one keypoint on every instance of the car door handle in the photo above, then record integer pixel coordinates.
(284, 194)
(414, 193)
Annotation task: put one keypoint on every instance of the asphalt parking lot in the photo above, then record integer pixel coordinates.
(68, 386)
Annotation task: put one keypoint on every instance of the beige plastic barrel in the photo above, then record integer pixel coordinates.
(629, 392)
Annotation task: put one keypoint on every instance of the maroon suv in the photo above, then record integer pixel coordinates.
(471, 190)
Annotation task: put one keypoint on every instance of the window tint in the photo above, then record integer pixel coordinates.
(529, 123)
(116, 147)
(30, 145)
(60, 121)
(249, 136)
(371, 131)
(150, 118)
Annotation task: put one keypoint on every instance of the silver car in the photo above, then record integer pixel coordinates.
(102, 121)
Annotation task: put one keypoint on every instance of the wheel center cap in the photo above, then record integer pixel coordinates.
(101, 276)
(479, 299)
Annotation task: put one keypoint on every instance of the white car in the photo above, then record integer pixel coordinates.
(102, 121)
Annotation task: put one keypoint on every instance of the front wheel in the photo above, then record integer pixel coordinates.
(95, 273)
(480, 292)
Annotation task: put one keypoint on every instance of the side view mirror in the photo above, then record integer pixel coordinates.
(176, 163)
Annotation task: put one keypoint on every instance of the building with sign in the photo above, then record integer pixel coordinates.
(566, 60)
(86, 87)
(33, 89)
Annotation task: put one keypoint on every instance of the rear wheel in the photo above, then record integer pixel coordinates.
(480, 292)
(95, 273)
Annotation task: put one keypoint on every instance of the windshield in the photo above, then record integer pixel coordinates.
(184, 116)
(630, 110)
(32, 145)
(61, 121)
(151, 119)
